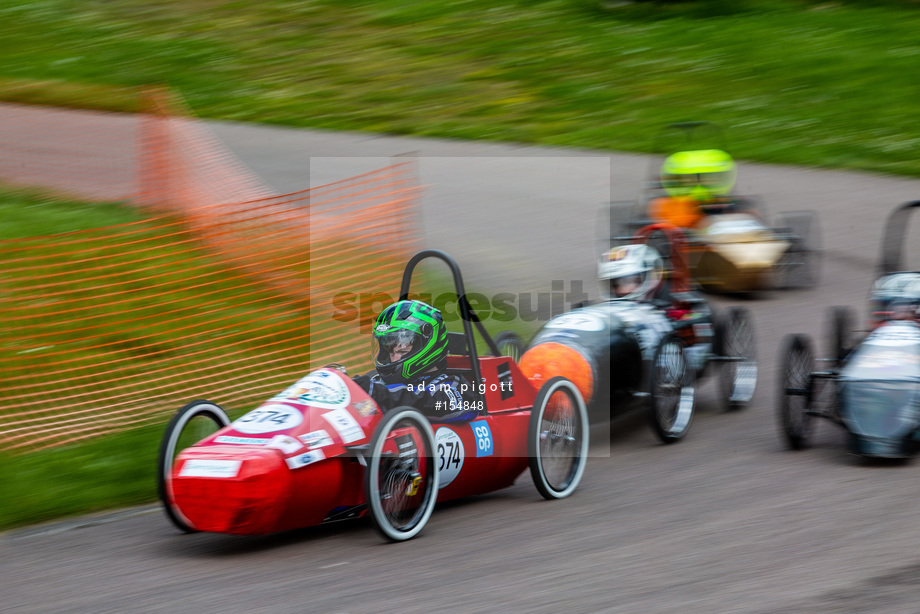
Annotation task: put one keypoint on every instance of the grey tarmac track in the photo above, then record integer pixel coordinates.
(725, 521)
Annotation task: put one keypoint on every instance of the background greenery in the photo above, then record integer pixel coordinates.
(806, 82)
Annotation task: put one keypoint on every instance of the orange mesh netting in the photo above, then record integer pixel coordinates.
(224, 293)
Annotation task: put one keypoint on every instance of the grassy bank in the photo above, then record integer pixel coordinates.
(804, 82)
(79, 478)
(103, 473)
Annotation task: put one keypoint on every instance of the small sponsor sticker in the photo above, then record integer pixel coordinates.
(285, 443)
(617, 254)
(346, 426)
(252, 441)
(317, 439)
(365, 408)
(483, 433)
(202, 468)
(323, 389)
(307, 458)
(406, 446)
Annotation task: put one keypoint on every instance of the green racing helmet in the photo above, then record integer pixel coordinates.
(410, 338)
(701, 174)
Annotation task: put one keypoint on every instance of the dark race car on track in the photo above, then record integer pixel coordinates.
(322, 450)
(731, 247)
(869, 384)
(651, 351)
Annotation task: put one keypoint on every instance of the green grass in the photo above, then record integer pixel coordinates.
(106, 472)
(804, 82)
(29, 213)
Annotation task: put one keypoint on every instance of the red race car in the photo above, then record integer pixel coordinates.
(322, 450)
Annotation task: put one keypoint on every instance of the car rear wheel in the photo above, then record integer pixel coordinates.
(796, 365)
(401, 481)
(191, 424)
(557, 439)
(800, 266)
(672, 385)
(510, 344)
(735, 348)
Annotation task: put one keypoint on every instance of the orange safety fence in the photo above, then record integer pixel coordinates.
(214, 295)
(182, 165)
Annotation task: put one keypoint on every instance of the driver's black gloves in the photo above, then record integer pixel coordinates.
(362, 380)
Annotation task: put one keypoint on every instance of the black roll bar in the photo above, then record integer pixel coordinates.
(891, 256)
(467, 314)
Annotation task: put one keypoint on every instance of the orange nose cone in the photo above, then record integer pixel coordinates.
(548, 360)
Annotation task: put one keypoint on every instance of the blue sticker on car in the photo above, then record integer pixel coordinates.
(483, 435)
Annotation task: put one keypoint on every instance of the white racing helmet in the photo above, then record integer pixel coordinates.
(629, 272)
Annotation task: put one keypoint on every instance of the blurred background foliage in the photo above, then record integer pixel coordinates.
(793, 81)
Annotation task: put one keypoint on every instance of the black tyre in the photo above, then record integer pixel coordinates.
(557, 439)
(840, 333)
(510, 344)
(796, 366)
(401, 482)
(672, 384)
(735, 347)
(191, 424)
(800, 266)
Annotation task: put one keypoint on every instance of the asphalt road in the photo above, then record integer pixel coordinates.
(725, 521)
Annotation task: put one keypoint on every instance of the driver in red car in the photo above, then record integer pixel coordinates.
(410, 356)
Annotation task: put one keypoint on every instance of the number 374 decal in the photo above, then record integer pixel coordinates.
(450, 455)
(269, 418)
